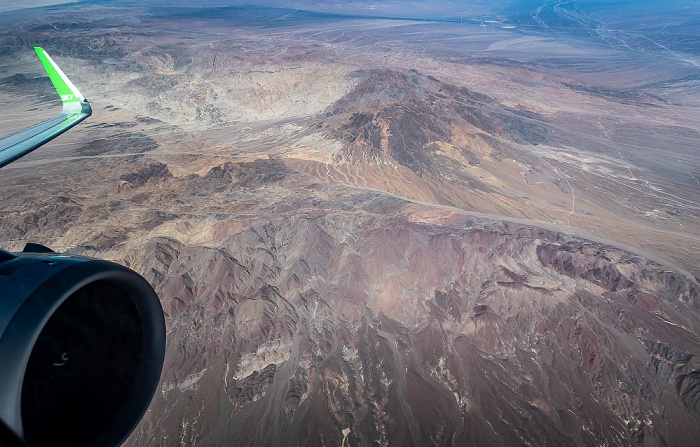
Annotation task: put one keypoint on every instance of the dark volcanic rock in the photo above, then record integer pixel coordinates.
(258, 172)
(680, 369)
(153, 172)
(229, 176)
(22, 84)
(121, 143)
(56, 214)
(364, 133)
(403, 113)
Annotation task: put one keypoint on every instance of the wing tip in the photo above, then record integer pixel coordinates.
(75, 109)
(68, 92)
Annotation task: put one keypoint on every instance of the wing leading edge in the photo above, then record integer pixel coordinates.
(75, 109)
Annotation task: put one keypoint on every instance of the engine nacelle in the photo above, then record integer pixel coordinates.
(82, 343)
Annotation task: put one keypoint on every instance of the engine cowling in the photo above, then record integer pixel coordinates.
(82, 343)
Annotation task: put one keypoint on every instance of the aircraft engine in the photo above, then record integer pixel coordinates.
(82, 343)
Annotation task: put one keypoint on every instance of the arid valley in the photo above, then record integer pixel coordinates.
(373, 228)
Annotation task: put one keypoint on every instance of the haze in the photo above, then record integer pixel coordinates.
(12, 5)
(396, 223)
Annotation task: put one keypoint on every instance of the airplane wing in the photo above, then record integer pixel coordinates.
(75, 109)
(57, 312)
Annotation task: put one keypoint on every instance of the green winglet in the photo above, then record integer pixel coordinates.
(75, 109)
(65, 88)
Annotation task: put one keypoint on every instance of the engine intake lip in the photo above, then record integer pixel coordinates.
(20, 336)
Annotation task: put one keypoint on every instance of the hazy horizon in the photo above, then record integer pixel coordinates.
(383, 223)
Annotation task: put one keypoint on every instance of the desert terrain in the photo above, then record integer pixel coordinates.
(371, 228)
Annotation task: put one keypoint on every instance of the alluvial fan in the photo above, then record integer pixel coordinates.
(381, 225)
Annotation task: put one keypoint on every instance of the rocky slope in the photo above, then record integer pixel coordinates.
(320, 328)
(361, 237)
